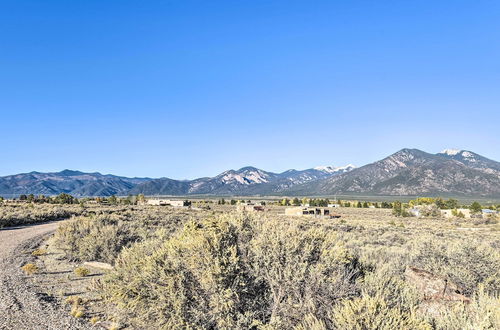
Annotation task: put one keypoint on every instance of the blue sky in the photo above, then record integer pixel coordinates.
(185, 89)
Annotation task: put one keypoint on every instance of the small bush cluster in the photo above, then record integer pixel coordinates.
(39, 252)
(82, 271)
(77, 309)
(102, 233)
(482, 313)
(468, 264)
(98, 238)
(30, 269)
(374, 313)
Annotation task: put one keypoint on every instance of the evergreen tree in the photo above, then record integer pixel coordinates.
(285, 202)
(451, 204)
(476, 207)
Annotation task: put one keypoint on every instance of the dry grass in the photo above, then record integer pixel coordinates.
(30, 269)
(82, 272)
(39, 252)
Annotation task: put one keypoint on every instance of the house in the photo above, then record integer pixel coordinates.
(488, 212)
(456, 213)
(318, 212)
(250, 208)
(415, 212)
(167, 202)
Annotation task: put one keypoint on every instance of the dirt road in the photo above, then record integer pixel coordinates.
(21, 307)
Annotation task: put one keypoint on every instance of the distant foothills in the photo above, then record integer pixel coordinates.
(408, 172)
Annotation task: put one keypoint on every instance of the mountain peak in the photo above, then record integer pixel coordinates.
(409, 151)
(248, 168)
(407, 154)
(67, 172)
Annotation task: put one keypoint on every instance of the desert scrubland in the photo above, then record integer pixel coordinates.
(222, 268)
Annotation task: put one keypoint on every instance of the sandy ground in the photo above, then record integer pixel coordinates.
(21, 306)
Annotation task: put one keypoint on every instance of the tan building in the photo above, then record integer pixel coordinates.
(450, 213)
(250, 208)
(311, 211)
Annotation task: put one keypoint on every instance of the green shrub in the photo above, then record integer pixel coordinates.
(374, 313)
(311, 322)
(466, 263)
(232, 272)
(74, 300)
(390, 286)
(196, 279)
(95, 239)
(482, 313)
(306, 270)
(77, 311)
(82, 271)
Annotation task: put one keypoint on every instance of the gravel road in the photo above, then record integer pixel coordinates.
(21, 307)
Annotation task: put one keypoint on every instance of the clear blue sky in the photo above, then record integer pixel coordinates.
(190, 88)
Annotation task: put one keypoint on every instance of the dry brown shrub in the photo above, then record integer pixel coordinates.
(30, 269)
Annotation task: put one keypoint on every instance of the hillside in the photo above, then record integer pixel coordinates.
(72, 182)
(414, 172)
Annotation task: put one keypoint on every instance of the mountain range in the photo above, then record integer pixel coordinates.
(408, 172)
(72, 182)
(412, 172)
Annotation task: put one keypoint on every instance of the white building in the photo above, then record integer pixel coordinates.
(167, 202)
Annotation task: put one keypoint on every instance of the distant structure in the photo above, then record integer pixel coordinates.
(168, 202)
(415, 212)
(250, 208)
(333, 205)
(317, 212)
(453, 213)
(487, 212)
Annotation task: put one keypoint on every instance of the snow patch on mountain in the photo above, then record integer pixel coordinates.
(333, 169)
(451, 152)
(246, 177)
(469, 156)
(464, 154)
